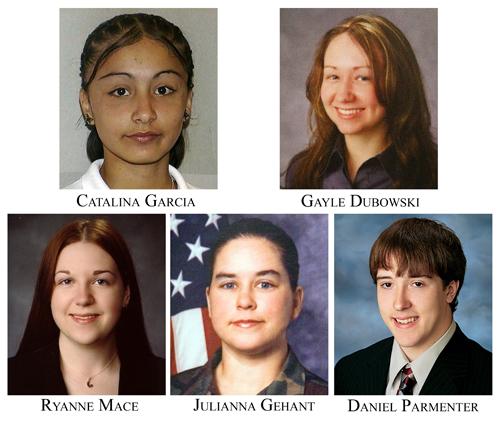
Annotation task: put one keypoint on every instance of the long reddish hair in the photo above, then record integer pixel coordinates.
(41, 329)
(399, 89)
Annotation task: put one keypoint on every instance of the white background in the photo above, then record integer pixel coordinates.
(248, 149)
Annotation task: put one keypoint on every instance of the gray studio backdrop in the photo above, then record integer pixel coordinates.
(200, 29)
(301, 31)
(357, 320)
(308, 335)
(28, 236)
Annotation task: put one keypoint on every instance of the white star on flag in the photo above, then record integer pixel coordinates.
(212, 219)
(174, 224)
(179, 285)
(196, 250)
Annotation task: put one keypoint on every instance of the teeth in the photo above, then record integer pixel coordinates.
(84, 317)
(349, 111)
(406, 321)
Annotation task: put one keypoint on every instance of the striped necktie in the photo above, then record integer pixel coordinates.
(407, 382)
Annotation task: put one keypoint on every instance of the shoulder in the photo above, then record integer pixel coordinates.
(357, 362)
(315, 385)
(479, 359)
(34, 372)
(144, 375)
(364, 371)
(190, 382)
(465, 365)
(368, 354)
(91, 179)
(179, 178)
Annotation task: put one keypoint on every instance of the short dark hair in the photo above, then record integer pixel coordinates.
(258, 228)
(420, 246)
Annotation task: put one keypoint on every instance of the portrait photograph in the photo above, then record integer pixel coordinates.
(358, 99)
(86, 304)
(413, 293)
(249, 304)
(138, 99)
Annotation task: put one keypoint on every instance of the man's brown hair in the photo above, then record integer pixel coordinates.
(420, 246)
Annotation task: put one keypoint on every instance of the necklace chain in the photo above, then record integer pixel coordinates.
(90, 378)
(89, 381)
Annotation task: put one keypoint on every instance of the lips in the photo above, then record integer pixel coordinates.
(406, 322)
(84, 318)
(348, 113)
(143, 137)
(246, 323)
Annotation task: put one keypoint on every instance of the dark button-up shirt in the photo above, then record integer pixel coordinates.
(293, 379)
(378, 172)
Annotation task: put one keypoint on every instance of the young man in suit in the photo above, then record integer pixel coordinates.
(418, 267)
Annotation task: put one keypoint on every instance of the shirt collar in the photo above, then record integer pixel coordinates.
(385, 164)
(421, 366)
(290, 381)
(92, 178)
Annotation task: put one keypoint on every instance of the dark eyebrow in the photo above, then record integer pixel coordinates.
(355, 67)
(219, 276)
(258, 274)
(96, 272)
(129, 75)
(269, 272)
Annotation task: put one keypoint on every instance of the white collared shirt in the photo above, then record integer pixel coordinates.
(92, 178)
(421, 366)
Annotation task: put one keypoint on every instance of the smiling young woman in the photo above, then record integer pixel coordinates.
(85, 332)
(368, 116)
(253, 295)
(136, 91)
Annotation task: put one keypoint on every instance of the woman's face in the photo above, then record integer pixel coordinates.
(137, 100)
(250, 300)
(88, 295)
(348, 89)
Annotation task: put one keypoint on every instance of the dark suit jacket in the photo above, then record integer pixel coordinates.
(462, 368)
(39, 373)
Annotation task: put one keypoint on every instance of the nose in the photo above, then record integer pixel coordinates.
(245, 299)
(344, 90)
(144, 109)
(401, 299)
(84, 295)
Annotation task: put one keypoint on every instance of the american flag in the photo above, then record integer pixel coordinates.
(193, 340)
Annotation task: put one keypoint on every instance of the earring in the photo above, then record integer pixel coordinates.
(89, 120)
(187, 116)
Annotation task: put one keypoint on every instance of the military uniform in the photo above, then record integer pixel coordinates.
(293, 379)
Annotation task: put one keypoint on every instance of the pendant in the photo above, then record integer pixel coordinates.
(89, 384)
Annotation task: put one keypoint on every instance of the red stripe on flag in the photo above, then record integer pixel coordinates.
(212, 341)
(173, 365)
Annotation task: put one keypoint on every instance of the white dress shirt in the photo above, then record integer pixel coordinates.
(421, 366)
(92, 178)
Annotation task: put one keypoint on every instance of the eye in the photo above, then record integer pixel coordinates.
(228, 285)
(64, 282)
(101, 282)
(331, 77)
(385, 285)
(418, 283)
(163, 90)
(264, 284)
(120, 92)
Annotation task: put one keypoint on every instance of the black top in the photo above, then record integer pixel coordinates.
(39, 373)
(462, 368)
(378, 172)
